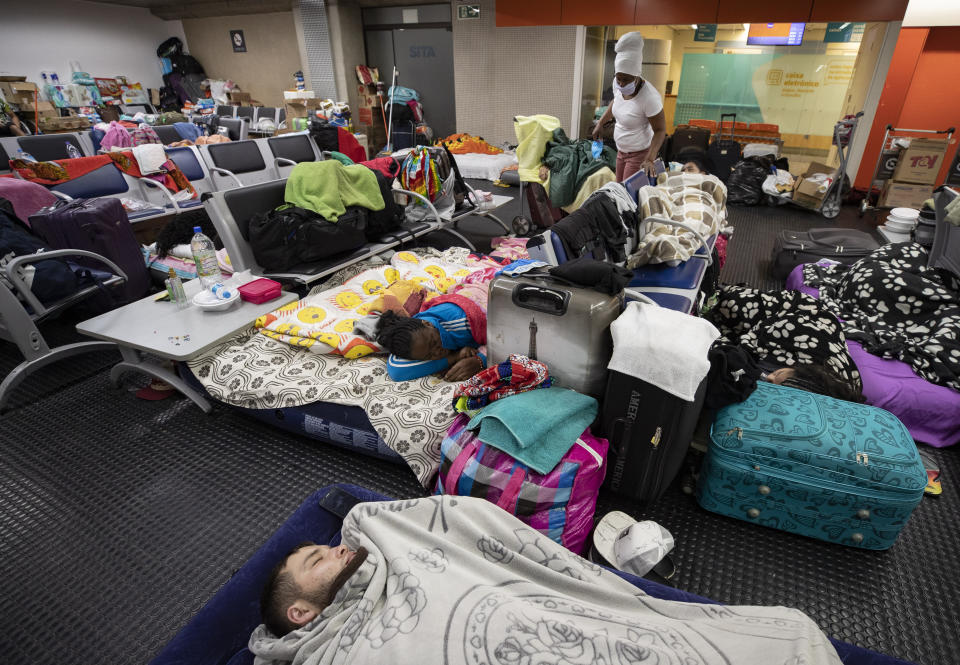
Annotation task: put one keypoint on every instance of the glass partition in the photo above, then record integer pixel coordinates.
(794, 93)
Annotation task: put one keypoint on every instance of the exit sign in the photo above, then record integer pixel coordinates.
(468, 11)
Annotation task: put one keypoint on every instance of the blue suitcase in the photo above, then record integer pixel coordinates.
(813, 465)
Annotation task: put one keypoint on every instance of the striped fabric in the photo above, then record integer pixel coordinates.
(559, 504)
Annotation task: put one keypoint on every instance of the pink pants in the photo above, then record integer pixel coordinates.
(629, 163)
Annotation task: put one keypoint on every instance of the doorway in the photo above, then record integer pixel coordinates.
(423, 56)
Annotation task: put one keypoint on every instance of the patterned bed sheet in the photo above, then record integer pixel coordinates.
(259, 371)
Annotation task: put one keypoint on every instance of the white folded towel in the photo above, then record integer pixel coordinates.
(150, 157)
(662, 347)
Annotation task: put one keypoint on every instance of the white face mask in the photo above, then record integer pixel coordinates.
(626, 90)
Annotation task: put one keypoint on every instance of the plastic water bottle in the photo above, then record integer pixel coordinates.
(72, 151)
(205, 255)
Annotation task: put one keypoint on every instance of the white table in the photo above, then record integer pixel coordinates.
(164, 330)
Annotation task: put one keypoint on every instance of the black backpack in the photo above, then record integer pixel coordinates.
(170, 48)
(388, 219)
(185, 64)
(325, 135)
(281, 239)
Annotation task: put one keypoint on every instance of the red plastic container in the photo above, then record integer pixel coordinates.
(260, 290)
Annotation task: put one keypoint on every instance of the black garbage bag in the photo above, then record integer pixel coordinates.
(744, 187)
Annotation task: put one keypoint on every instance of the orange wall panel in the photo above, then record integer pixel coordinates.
(597, 12)
(929, 103)
(763, 11)
(658, 12)
(906, 56)
(858, 10)
(527, 12)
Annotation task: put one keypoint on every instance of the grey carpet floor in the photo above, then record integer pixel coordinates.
(120, 518)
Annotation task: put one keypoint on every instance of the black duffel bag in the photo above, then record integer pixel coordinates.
(745, 184)
(281, 239)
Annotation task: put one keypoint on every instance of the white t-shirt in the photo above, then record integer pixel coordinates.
(633, 131)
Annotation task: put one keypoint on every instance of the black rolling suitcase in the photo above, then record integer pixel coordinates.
(686, 137)
(725, 152)
(791, 248)
(649, 431)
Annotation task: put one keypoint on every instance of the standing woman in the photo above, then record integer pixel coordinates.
(638, 111)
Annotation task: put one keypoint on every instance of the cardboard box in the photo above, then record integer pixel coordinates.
(238, 98)
(43, 109)
(904, 195)
(805, 191)
(155, 97)
(299, 94)
(920, 163)
(302, 108)
(18, 92)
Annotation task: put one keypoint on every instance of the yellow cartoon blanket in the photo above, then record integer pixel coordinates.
(323, 321)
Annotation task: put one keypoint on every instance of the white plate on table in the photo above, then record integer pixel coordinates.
(905, 214)
(206, 301)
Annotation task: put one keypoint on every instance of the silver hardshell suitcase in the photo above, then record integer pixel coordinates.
(563, 326)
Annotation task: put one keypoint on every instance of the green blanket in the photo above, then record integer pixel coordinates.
(328, 187)
(570, 163)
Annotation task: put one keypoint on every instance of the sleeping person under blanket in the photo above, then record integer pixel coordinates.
(438, 339)
(458, 581)
(792, 336)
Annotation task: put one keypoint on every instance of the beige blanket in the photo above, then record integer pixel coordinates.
(697, 200)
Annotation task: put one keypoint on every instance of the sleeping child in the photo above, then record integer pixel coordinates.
(438, 339)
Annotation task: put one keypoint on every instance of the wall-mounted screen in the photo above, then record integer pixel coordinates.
(775, 34)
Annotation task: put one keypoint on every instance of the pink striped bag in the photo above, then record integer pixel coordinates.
(559, 504)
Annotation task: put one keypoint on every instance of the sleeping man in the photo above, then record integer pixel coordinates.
(458, 581)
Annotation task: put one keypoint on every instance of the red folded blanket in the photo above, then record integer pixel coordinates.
(64, 170)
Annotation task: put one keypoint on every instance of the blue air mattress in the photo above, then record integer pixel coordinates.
(218, 633)
(340, 425)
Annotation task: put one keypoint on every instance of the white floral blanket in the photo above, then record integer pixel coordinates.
(459, 581)
(698, 200)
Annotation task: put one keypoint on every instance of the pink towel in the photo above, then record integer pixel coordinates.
(27, 197)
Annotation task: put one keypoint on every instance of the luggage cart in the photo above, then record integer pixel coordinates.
(843, 133)
(889, 136)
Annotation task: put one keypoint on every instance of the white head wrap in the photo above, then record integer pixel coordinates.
(629, 58)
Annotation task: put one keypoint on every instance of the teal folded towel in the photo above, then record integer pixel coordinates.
(537, 427)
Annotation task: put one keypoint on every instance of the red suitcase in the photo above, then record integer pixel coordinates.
(96, 225)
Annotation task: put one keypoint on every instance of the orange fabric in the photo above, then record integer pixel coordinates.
(460, 144)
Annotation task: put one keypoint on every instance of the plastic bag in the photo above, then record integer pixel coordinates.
(596, 149)
(745, 186)
(135, 205)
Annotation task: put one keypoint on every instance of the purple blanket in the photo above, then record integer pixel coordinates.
(26, 197)
(931, 413)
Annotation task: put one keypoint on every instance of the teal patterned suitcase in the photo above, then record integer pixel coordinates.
(813, 465)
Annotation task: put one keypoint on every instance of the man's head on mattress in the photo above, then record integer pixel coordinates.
(816, 379)
(408, 338)
(303, 583)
